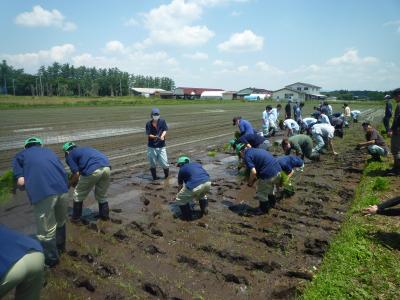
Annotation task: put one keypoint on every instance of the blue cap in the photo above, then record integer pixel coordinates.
(155, 110)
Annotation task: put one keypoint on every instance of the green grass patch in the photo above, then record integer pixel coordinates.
(359, 264)
(6, 186)
(212, 153)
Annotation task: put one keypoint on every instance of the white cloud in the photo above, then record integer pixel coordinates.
(222, 63)
(245, 41)
(393, 24)
(351, 57)
(197, 56)
(115, 46)
(39, 17)
(243, 68)
(31, 61)
(173, 24)
(236, 13)
(217, 2)
(263, 66)
(131, 22)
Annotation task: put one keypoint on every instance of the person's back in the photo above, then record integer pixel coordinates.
(192, 174)
(290, 162)
(245, 127)
(43, 172)
(263, 161)
(253, 139)
(87, 160)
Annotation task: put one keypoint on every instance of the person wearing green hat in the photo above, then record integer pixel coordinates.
(90, 169)
(264, 169)
(42, 174)
(196, 185)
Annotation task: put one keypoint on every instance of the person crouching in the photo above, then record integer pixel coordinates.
(193, 182)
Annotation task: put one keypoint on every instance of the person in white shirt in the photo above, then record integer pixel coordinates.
(291, 127)
(323, 134)
(323, 118)
(265, 122)
(273, 114)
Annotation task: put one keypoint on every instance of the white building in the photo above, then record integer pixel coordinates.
(298, 92)
(212, 95)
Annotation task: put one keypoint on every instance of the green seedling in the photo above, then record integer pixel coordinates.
(380, 184)
(7, 186)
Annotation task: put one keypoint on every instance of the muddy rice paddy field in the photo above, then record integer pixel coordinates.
(146, 253)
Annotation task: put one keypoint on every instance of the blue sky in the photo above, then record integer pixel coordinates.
(230, 44)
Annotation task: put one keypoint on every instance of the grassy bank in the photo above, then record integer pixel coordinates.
(363, 262)
(16, 102)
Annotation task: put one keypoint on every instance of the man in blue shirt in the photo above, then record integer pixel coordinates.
(289, 163)
(156, 130)
(254, 140)
(244, 126)
(41, 172)
(264, 168)
(388, 113)
(21, 265)
(90, 168)
(197, 185)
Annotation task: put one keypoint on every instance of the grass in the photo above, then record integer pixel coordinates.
(359, 263)
(6, 186)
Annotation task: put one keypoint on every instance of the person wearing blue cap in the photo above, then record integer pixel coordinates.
(41, 173)
(156, 130)
(90, 169)
(21, 265)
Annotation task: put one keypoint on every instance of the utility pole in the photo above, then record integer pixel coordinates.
(120, 87)
(41, 86)
(14, 86)
(37, 91)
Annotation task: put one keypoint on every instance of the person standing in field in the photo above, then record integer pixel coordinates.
(388, 113)
(347, 113)
(156, 130)
(265, 122)
(90, 168)
(288, 110)
(375, 143)
(21, 265)
(297, 114)
(41, 173)
(394, 133)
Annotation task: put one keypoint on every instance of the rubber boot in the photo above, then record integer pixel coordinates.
(154, 173)
(104, 211)
(51, 257)
(376, 157)
(60, 238)
(203, 202)
(264, 207)
(166, 173)
(315, 156)
(76, 212)
(271, 200)
(186, 212)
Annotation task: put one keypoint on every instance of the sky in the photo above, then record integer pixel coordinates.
(228, 44)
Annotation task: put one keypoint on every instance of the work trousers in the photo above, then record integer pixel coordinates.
(26, 276)
(99, 179)
(157, 155)
(50, 214)
(267, 187)
(186, 196)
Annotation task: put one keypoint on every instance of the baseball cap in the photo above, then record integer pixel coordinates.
(155, 111)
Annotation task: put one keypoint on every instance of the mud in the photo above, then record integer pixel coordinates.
(143, 252)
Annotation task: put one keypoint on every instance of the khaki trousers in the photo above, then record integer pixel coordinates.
(26, 276)
(186, 196)
(99, 179)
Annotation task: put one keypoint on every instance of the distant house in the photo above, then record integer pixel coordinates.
(298, 92)
(192, 92)
(250, 90)
(229, 95)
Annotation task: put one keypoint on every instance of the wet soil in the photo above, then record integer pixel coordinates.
(146, 252)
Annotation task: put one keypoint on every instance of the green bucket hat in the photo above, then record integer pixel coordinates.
(33, 140)
(68, 145)
(183, 160)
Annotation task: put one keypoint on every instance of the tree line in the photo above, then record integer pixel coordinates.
(360, 95)
(67, 80)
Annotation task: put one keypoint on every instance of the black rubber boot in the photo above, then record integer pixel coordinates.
(186, 212)
(315, 156)
(376, 157)
(203, 202)
(264, 207)
(60, 238)
(154, 173)
(51, 257)
(104, 211)
(166, 172)
(76, 212)
(271, 200)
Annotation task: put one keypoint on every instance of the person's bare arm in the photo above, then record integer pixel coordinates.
(73, 180)
(332, 148)
(252, 177)
(162, 136)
